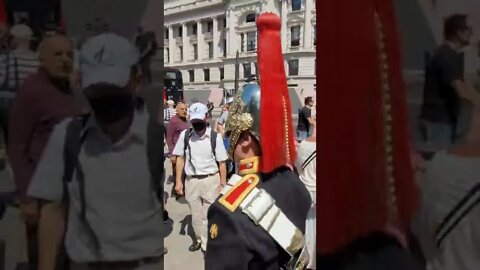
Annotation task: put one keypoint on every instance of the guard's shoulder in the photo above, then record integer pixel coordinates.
(237, 191)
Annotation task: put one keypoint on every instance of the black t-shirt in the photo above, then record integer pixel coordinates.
(303, 124)
(441, 102)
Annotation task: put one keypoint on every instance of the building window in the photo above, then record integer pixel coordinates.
(222, 73)
(314, 35)
(296, 5)
(242, 42)
(247, 70)
(224, 47)
(293, 67)
(180, 50)
(166, 34)
(195, 52)
(295, 36)
(209, 27)
(180, 31)
(210, 50)
(206, 75)
(251, 41)
(251, 18)
(191, 75)
(194, 29)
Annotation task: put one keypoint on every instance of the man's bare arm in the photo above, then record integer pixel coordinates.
(179, 168)
(50, 234)
(311, 120)
(467, 92)
(223, 173)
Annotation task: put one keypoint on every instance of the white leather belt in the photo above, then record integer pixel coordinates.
(260, 207)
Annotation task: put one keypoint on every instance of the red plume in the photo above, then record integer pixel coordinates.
(276, 132)
(352, 186)
(3, 12)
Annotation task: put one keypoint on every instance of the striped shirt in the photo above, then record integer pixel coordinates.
(168, 114)
(21, 64)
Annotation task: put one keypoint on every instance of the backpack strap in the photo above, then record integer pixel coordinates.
(310, 158)
(186, 145)
(213, 142)
(155, 156)
(73, 144)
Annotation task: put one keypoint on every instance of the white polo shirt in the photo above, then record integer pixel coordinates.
(202, 159)
(448, 221)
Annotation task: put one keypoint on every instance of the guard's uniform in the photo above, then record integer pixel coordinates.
(259, 220)
(235, 242)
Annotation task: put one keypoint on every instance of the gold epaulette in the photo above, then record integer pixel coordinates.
(236, 194)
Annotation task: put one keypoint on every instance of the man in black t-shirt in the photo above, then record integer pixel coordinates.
(445, 86)
(305, 119)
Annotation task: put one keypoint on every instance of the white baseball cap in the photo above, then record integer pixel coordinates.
(107, 58)
(21, 31)
(198, 111)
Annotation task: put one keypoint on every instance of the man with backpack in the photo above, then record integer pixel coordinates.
(201, 155)
(100, 175)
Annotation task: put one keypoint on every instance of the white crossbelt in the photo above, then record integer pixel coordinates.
(260, 207)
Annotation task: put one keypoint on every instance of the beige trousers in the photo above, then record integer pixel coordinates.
(200, 194)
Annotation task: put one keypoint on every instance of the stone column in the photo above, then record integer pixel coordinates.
(185, 42)
(232, 38)
(284, 29)
(216, 39)
(307, 25)
(200, 41)
(171, 45)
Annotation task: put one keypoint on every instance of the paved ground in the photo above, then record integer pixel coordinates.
(180, 234)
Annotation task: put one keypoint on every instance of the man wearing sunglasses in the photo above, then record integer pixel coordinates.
(446, 92)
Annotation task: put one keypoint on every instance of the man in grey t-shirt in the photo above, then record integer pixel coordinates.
(114, 218)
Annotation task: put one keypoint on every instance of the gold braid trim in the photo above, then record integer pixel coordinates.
(285, 120)
(387, 120)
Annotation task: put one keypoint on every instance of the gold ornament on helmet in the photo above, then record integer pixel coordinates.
(244, 115)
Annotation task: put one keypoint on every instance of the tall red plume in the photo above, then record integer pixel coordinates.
(352, 179)
(276, 132)
(3, 12)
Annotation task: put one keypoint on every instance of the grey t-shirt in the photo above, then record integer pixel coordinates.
(121, 205)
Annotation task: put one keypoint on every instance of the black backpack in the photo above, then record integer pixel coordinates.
(213, 141)
(74, 140)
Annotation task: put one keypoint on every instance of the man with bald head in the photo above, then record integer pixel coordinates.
(42, 101)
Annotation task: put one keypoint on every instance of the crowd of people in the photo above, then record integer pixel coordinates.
(67, 160)
(202, 151)
(68, 139)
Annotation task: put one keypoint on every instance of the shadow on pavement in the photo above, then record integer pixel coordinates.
(186, 227)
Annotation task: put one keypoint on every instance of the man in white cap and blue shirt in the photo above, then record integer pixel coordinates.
(96, 175)
(201, 155)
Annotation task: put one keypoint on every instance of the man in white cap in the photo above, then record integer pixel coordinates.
(201, 155)
(101, 168)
